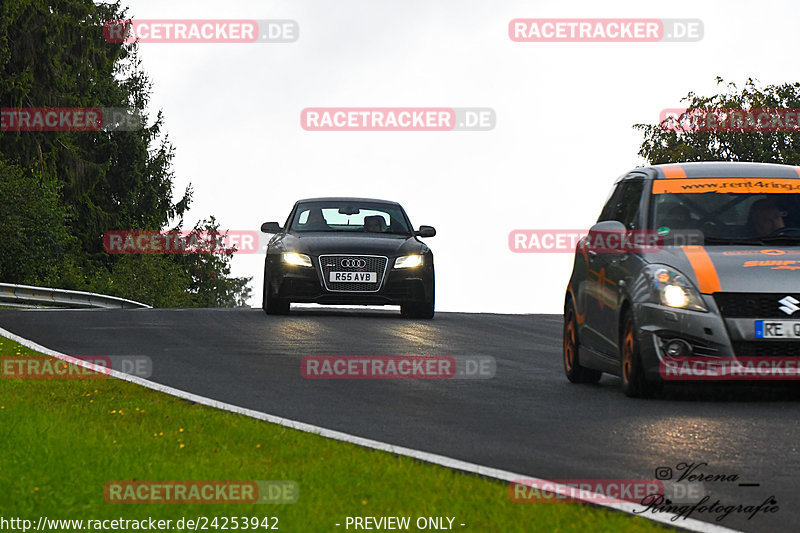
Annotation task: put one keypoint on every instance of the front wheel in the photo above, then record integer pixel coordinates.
(634, 381)
(272, 305)
(421, 309)
(572, 367)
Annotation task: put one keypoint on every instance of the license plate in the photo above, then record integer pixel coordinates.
(354, 277)
(777, 329)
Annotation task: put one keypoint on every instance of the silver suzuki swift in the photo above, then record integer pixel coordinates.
(692, 272)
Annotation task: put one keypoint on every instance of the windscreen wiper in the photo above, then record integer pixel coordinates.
(746, 242)
(781, 238)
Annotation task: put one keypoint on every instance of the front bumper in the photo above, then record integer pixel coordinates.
(713, 338)
(306, 285)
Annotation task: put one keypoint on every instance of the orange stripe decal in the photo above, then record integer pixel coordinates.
(726, 185)
(704, 270)
(672, 172)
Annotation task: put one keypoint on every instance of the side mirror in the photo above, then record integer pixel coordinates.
(606, 237)
(270, 227)
(608, 226)
(425, 231)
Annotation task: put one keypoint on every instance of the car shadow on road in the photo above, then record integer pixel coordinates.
(343, 312)
(737, 392)
(743, 391)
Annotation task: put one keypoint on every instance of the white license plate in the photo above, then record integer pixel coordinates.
(777, 329)
(353, 277)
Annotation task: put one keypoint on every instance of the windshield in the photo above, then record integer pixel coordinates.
(740, 210)
(343, 216)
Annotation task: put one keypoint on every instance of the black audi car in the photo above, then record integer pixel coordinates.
(349, 251)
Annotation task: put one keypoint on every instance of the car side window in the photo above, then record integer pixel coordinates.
(624, 204)
(610, 208)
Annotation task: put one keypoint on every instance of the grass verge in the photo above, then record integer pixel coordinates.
(62, 440)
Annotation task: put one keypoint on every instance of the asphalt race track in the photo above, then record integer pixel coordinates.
(528, 419)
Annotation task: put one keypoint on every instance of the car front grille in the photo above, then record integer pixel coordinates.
(767, 348)
(334, 263)
(751, 305)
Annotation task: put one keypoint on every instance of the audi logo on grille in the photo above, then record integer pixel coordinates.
(353, 263)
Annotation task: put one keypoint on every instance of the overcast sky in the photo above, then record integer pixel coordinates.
(564, 119)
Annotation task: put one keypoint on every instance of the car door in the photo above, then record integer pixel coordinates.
(606, 269)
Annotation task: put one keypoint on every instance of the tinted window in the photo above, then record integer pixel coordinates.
(624, 204)
(724, 215)
(350, 216)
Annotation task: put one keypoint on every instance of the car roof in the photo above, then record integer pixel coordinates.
(715, 169)
(346, 199)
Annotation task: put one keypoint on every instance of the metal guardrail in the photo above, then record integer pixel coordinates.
(12, 295)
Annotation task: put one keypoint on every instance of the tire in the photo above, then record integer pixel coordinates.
(634, 381)
(272, 305)
(572, 366)
(422, 309)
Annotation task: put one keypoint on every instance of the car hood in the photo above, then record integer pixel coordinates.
(317, 243)
(735, 268)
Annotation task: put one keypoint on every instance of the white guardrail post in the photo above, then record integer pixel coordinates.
(12, 295)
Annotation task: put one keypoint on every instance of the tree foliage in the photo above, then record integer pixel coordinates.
(34, 238)
(61, 191)
(665, 145)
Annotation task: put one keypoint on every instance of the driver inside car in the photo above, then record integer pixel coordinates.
(766, 217)
(374, 224)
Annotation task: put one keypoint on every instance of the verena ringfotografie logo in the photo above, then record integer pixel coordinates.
(533, 241)
(397, 367)
(182, 242)
(741, 368)
(70, 119)
(45, 367)
(201, 492)
(605, 30)
(767, 120)
(201, 31)
(397, 119)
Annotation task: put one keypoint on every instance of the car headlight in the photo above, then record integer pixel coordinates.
(408, 261)
(671, 288)
(294, 258)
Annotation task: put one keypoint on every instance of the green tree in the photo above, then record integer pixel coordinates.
(211, 284)
(33, 233)
(53, 54)
(80, 185)
(665, 145)
(153, 279)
